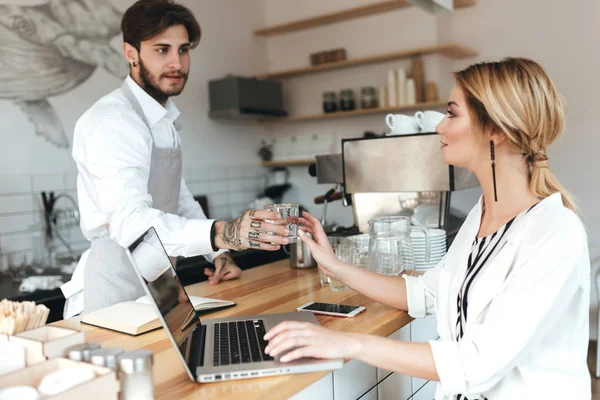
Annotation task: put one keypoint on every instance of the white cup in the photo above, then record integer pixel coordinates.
(401, 124)
(428, 120)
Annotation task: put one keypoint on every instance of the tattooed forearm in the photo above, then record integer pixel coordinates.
(231, 233)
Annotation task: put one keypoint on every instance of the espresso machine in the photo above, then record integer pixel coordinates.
(393, 175)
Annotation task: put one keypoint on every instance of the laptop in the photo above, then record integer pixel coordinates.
(217, 349)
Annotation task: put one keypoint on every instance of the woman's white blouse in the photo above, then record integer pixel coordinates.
(527, 333)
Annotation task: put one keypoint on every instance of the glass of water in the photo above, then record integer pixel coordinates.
(289, 212)
(346, 253)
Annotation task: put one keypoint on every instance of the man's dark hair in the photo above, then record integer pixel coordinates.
(148, 18)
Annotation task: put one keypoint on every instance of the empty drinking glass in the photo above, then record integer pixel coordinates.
(346, 254)
(361, 249)
(289, 213)
(333, 240)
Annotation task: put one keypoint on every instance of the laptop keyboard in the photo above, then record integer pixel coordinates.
(239, 342)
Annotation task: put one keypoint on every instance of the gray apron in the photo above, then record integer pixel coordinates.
(109, 277)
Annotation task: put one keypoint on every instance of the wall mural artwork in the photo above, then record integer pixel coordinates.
(49, 47)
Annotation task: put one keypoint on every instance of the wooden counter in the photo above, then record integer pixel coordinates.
(272, 288)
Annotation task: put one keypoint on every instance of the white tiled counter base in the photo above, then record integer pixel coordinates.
(357, 380)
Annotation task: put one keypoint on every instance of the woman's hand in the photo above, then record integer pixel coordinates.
(320, 246)
(309, 340)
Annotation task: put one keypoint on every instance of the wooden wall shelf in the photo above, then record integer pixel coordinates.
(450, 50)
(342, 114)
(288, 163)
(344, 15)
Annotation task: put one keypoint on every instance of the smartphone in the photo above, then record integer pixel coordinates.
(337, 310)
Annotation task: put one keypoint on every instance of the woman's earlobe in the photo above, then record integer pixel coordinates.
(497, 136)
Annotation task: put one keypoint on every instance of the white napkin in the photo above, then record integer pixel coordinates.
(34, 283)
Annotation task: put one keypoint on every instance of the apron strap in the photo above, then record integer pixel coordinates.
(135, 103)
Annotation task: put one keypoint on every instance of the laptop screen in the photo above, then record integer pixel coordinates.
(158, 275)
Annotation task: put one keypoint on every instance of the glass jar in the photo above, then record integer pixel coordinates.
(347, 102)
(82, 351)
(135, 374)
(390, 245)
(368, 97)
(106, 357)
(329, 102)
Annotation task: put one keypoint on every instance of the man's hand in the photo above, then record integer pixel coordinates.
(252, 231)
(225, 269)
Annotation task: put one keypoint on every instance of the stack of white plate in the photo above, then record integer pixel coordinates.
(437, 248)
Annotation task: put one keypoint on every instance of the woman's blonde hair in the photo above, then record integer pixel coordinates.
(517, 97)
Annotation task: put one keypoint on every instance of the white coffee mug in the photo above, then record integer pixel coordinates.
(428, 120)
(400, 124)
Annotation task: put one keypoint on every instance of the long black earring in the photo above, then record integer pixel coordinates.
(493, 168)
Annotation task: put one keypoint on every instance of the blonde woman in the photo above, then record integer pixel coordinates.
(511, 295)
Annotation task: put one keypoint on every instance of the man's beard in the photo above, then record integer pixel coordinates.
(151, 86)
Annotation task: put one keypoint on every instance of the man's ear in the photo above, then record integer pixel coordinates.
(131, 55)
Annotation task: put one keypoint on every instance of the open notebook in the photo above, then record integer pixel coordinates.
(137, 317)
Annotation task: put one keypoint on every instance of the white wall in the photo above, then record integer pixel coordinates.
(563, 38)
(29, 164)
(386, 32)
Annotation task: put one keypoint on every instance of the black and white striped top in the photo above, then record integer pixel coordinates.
(482, 251)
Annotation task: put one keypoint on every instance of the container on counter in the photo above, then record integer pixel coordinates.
(60, 379)
(47, 342)
(81, 352)
(135, 374)
(106, 357)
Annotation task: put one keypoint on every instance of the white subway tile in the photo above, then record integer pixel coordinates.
(222, 215)
(15, 184)
(15, 204)
(14, 243)
(252, 171)
(3, 262)
(239, 208)
(235, 185)
(187, 174)
(196, 188)
(218, 187)
(251, 183)
(236, 198)
(219, 200)
(70, 180)
(80, 247)
(217, 172)
(249, 197)
(48, 182)
(200, 173)
(235, 172)
(75, 235)
(16, 223)
(38, 218)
